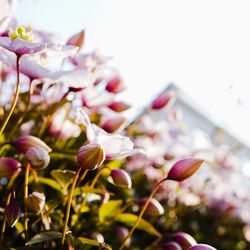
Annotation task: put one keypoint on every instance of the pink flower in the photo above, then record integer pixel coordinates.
(77, 39)
(116, 146)
(115, 85)
(165, 99)
(183, 169)
(9, 167)
(201, 247)
(118, 106)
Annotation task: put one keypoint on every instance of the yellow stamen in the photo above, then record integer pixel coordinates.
(21, 33)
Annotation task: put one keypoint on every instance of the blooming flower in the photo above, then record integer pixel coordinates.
(116, 146)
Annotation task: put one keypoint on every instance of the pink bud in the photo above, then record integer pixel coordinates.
(91, 156)
(154, 207)
(171, 245)
(201, 247)
(121, 178)
(9, 167)
(184, 240)
(165, 99)
(183, 169)
(119, 106)
(25, 142)
(12, 213)
(38, 157)
(77, 39)
(113, 124)
(115, 85)
(35, 202)
(121, 233)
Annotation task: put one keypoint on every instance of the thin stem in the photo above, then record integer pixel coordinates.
(4, 220)
(23, 114)
(26, 192)
(13, 105)
(69, 203)
(141, 214)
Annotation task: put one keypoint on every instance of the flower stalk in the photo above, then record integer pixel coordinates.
(25, 196)
(13, 105)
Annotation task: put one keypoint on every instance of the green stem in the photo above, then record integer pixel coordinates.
(23, 114)
(69, 203)
(13, 105)
(26, 192)
(141, 213)
(4, 220)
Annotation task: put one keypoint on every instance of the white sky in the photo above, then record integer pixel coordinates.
(203, 46)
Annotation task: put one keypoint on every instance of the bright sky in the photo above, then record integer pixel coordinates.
(203, 46)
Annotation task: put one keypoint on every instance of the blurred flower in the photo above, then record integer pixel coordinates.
(166, 99)
(35, 202)
(38, 157)
(12, 213)
(183, 169)
(118, 106)
(115, 85)
(90, 156)
(25, 142)
(154, 207)
(9, 167)
(115, 146)
(201, 247)
(121, 178)
(121, 233)
(184, 240)
(113, 124)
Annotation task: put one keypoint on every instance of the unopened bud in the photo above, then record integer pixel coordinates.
(113, 124)
(35, 202)
(91, 156)
(121, 234)
(154, 207)
(38, 158)
(184, 240)
(166, 99)
(9, 167)
(115, 85)
(121, 178)
(25, 142)
(201, 247)
(171, 245)
(119, 106)
(77, 39)
(183, 169)
(12, 213)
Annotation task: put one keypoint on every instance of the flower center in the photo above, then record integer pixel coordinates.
(21, 33)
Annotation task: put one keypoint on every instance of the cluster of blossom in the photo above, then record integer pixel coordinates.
(61, 116)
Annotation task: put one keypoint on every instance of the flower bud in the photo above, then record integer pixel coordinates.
(77, 39)
(113, 124)
(9, 167)
(121, 178)
(166, 99)
(91, 156)
(35, 202)
(154, 207)
(171, 245)
(119, 106)
(121, 234)
(201, 247)
(25, 142)
(38, 158)
(115, 85)
(12, 213)
(184, 240)
(183, 169)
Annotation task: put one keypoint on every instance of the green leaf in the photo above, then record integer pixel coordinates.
(44, 236)
(129, 220)
(53, 184)
(109, 210)
(92, 242)
(63, 177)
